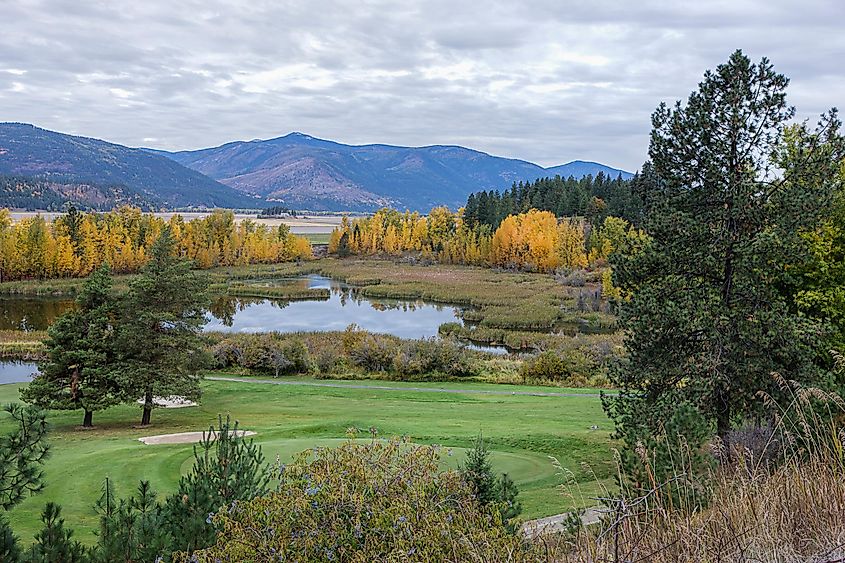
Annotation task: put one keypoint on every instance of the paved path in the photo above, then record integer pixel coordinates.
(556, 523)
(394, 388)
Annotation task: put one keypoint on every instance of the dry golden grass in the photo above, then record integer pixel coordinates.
(19, 345)
(761, 512)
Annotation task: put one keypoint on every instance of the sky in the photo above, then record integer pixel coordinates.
(547, 81)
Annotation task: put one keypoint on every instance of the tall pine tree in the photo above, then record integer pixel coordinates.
(77, 371)
(708, 323)
(161, 350)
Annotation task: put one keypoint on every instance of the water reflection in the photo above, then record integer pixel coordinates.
(345, 306)
(31, 313)
(400, 317)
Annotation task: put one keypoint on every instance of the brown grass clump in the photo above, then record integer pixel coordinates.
(764, 506)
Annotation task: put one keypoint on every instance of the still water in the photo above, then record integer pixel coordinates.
(16, 372)
(345, 306)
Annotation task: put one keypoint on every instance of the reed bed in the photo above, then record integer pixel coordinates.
(19, 345)
(290, 293)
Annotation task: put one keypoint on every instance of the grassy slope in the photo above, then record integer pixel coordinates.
(522, 430)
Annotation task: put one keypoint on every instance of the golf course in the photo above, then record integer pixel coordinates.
(525, 427)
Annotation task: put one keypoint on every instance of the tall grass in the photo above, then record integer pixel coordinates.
(19, 345)
(782, 502)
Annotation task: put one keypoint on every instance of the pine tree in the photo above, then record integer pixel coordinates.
(507, 493)
(53, 543)
(708, 323)
(77, 372)
(227, 467)
(9, 550)
(478, 472)
(133, 529)
(159, 338)
(22, 453)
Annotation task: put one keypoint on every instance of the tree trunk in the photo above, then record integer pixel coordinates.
(87, 421)
(148, 407)
(723, 413)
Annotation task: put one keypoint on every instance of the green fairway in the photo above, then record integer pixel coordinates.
(522, 430)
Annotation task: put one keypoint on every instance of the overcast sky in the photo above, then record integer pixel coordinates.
(543, 80)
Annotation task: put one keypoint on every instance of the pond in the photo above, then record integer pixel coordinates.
(345, 306)
(31, 313)
(16, 372)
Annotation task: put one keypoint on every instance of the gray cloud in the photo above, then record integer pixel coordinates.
(543, 80)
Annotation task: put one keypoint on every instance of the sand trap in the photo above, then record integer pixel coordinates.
(183, 438)
(171, 402)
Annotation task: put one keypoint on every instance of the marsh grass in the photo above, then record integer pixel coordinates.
(289, 293)
(19, 345)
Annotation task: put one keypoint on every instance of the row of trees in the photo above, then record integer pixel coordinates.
(76, 243)
(534, 240)
(118, 348)
(589, 197)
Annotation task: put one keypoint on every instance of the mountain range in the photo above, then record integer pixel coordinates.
(297, 171)
(60, 160)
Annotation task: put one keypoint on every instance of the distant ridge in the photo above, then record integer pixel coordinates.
(305, 172)
(45, 169)
(91, 172)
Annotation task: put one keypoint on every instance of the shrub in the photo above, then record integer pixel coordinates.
(269, 353)
(574, 278)
(572, 367)
(327, 361)
(430, 355)
(377, 501)
(373, 352)
(227, 353)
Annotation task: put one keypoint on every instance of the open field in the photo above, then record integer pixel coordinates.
(303, 224)
(522, 430)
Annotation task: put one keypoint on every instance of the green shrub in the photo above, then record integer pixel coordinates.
(227, 353)
(572, 367)
(373, 352)
(430, 355)
(269, 353)
(328, 361)
(362, 502)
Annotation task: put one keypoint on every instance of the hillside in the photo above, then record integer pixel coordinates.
(22, 192)
(90, 172)
(305, 172)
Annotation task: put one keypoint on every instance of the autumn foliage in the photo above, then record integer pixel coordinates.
(75, 244)
(535, 241)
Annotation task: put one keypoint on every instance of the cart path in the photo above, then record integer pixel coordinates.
(557, 523)
(393, 388)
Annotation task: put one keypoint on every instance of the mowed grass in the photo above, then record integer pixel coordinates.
(316, 238)
(523, 432)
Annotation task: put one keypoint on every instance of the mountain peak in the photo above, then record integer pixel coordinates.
(306, 172)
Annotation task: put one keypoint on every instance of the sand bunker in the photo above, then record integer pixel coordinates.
(183, 437)
(171, 402)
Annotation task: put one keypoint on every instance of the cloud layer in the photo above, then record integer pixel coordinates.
(543, 80)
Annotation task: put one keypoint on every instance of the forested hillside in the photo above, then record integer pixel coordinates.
(66, 160)
(592, 197)
(20, 192)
